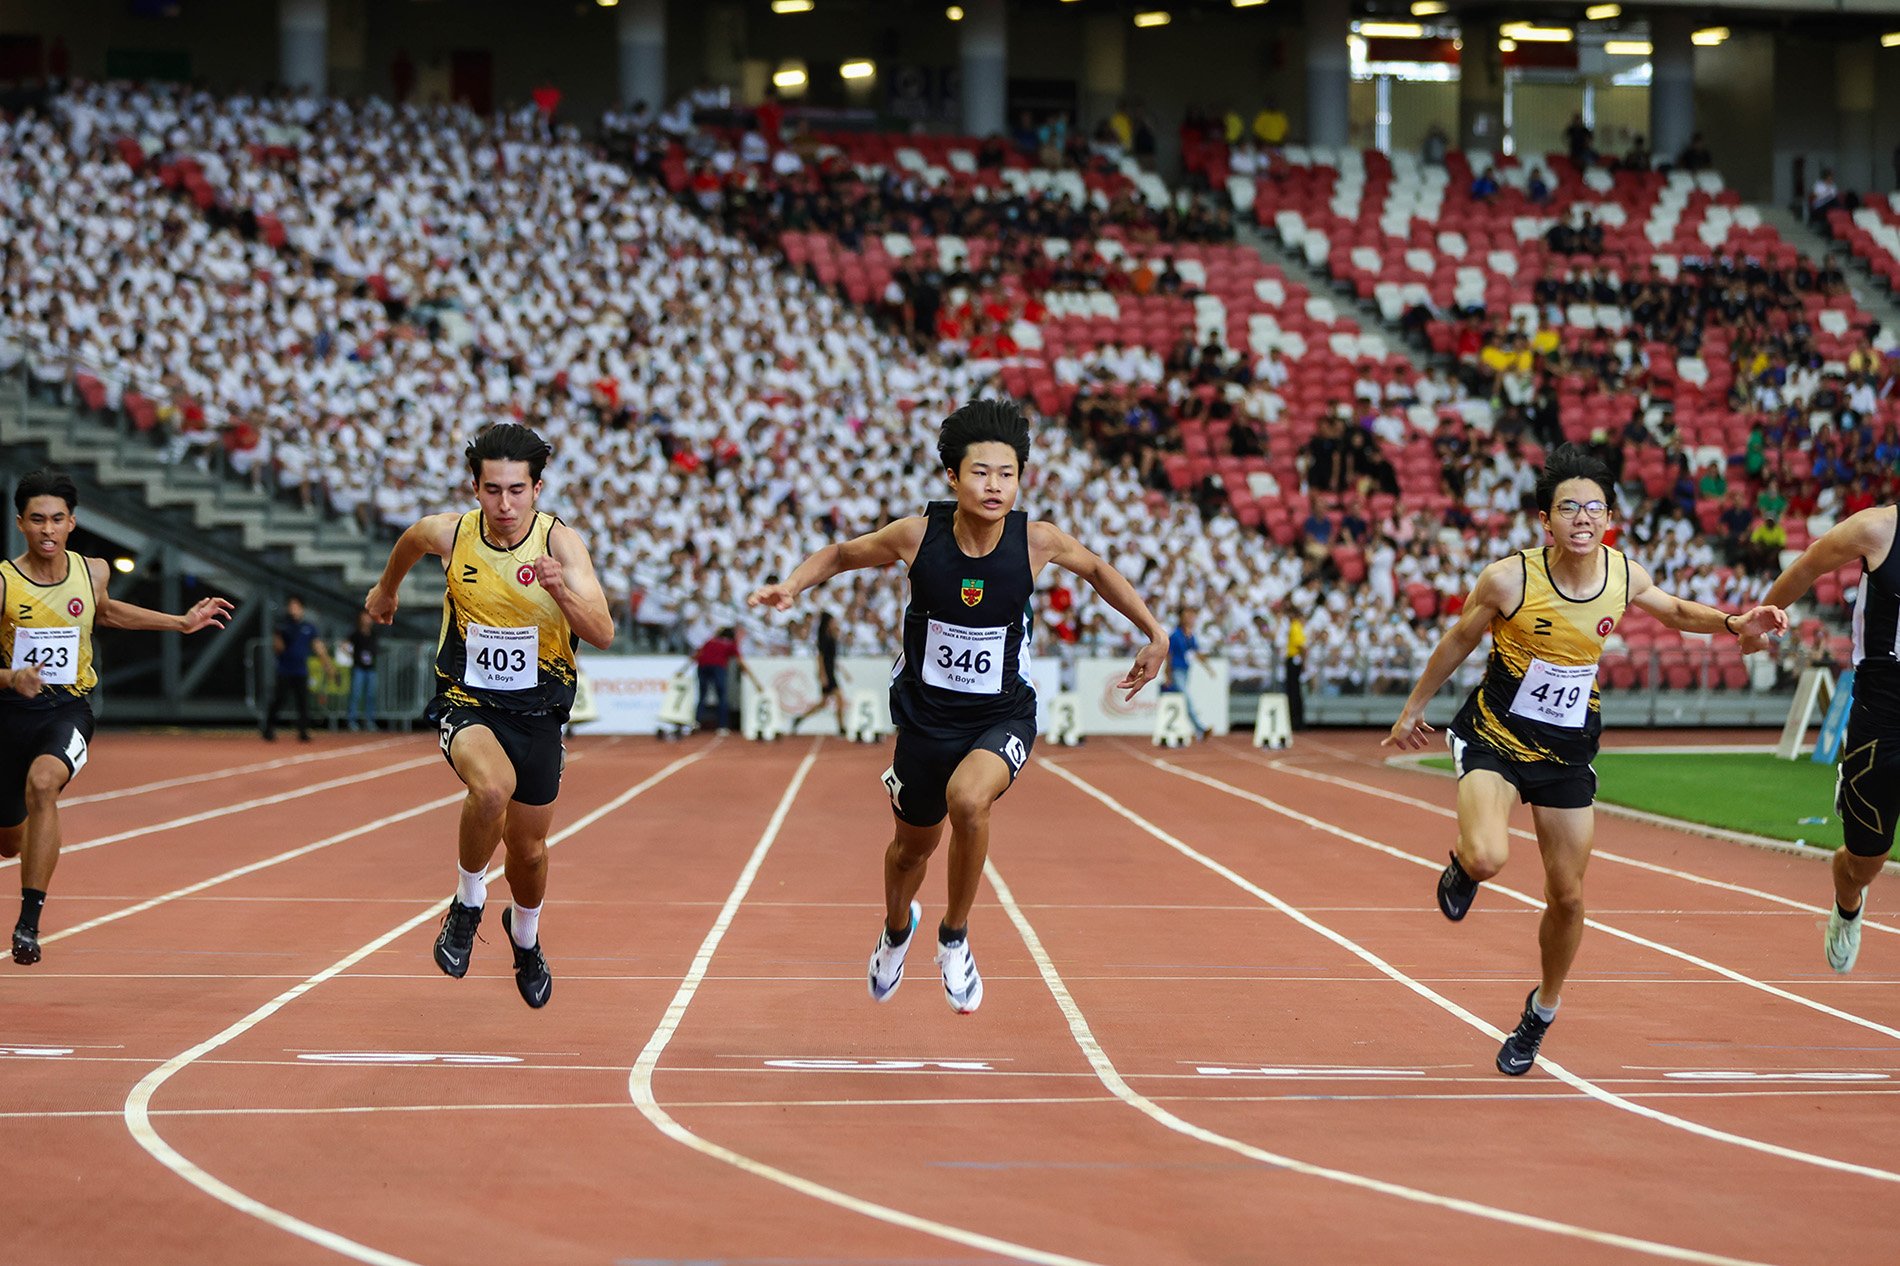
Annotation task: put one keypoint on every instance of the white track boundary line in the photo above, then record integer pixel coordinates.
(283, 762)
(1111, 1077)
(138, 1113)
(1359, 951)
(640, 1079)
(240, 807)
(1606, 854)
(1696, 960)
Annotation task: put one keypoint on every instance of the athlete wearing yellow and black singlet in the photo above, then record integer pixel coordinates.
(505, 659)
(1867, 790)
(48, 627)
(1536, 718)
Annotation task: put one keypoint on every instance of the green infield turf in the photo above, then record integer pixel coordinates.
(1739, 791)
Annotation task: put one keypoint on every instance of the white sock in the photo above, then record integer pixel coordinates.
(525, 925)
(471, 890)
(1544, 1013)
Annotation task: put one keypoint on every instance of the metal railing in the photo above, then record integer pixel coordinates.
(405, 682)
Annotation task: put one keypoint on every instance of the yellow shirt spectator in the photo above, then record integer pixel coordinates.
(1544, 342)
(1234, 127)
(1123, 127)
(1269, 126)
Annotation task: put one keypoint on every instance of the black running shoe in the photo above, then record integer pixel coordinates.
(457, 939)
(26, 945)
(1519, 1051)
(532, 976)
(1455, 890)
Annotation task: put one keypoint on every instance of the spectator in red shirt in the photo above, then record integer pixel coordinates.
(715, 660)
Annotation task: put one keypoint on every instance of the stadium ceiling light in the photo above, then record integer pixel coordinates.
(606, 4)
(1709, 36)
(122, 564)
(1603, 12)
(1525, 33)
(1429, 8)
(1391, 30)
(1890, 40)
(1628, 48)
(860, 68)
(1248, 4)
(1507, 46)
(954, 13)
(1154, 17)
(791, 78)
(792, 6)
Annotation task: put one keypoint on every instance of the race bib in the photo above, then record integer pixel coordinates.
(502, 659)
(55, 652)
(1556, 694)
(969, 661)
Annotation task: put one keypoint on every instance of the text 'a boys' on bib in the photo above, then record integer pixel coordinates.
(55, 652)
(502, 659)
(1556, 694)
(967, 660)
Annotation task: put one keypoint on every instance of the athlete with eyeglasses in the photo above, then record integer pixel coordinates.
(1531, 727)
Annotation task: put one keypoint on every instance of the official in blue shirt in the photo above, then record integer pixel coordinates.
(1183, 647)
(293, 642)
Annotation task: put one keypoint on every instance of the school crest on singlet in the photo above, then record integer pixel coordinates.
(972, 592)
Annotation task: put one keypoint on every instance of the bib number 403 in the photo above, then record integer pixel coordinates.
(501, 659)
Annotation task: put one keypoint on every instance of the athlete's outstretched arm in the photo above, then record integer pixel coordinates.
(1867, 535)
(1500, 588)
(895, 542)
(1693, 617)
(1050, 544)
(113, 614)
(432, 534)
(566, 571)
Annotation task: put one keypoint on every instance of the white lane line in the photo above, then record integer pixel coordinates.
(175, 894)
(284, 762)
(640, 1080)
(1607, 929)
(1384, 968)
(240, 807)
(1112, 1078)
(138, 1113)
(1606, 854)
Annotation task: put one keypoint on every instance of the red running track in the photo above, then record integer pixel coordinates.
(1224, 1023)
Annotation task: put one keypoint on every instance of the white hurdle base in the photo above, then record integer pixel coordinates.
(860, 717)
(1273, 726)
(1172, 727)
(677, 710)
(762, 720)
(1065, 720)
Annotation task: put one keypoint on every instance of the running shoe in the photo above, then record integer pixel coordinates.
(1519, 1051)
(887, 960)
(457, 939)
(1843, 939)
(1455, 890)
(961, 983)
(532, 976)
(26, 945)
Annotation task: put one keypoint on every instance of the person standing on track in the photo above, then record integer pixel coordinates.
(962, 697)
(1867, 791)
(1531, 727)
(521, 593)
(828, 686)
(50, 600)
(1183, 649)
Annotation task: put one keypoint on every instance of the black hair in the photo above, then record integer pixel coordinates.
(1567, 461)
(508, 442)
(983, 422)
(45, 482)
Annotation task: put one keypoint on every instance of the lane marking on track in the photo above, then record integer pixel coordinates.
(1379, 964)
(1118, 1086)
(640, 1079)
(242, 806)
(138, 1114)
(1728, 973)
(1606, 854)
(186, 780)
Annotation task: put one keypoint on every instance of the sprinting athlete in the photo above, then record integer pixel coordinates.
(1867, 791)
(829, 693)
(52, 600)
(521, 593)
(961, 694)
(1531, 726)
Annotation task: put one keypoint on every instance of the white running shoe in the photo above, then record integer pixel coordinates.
(887, 960)
(1843, 937)
(961, 983)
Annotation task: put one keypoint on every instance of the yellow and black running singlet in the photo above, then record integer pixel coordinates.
(1538, 700)
(505, 642)
(49, 627)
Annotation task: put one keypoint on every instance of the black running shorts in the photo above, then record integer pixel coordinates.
(1867, 795)
(923, 763)
(1547, 784)
(26, 734)
(532, 744)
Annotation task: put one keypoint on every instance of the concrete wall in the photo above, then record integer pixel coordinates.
(1735, 110)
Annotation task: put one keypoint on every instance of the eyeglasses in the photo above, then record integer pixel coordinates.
(1571, 509)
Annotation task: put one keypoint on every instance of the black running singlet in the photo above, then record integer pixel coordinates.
(1876, 710)
(965, 662)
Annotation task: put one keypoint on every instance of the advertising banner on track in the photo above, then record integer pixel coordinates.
(1103, 710)
(626, 691)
